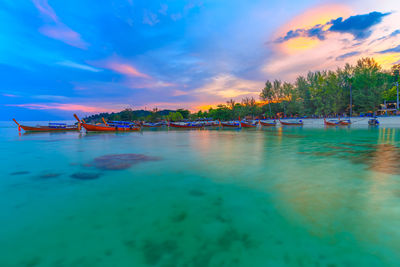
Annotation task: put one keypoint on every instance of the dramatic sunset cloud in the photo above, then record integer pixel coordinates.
(92, 56)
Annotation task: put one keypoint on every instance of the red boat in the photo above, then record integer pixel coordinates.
(52, 127)
(152, 125)
(186, 125)
(247, 125)
(230, 124)
(263, 123)
(106, 128)
(331, 123)
(299, 123)
(345, 122)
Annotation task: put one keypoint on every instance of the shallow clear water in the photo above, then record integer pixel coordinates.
(271, 197)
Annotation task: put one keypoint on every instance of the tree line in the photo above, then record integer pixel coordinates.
(319, 93)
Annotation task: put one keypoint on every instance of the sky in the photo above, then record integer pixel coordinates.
(62, 57)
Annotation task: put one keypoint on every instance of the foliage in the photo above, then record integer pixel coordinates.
(319, 93)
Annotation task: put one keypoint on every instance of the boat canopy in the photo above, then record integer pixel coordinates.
(120, 122)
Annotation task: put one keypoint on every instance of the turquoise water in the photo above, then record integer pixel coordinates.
(271, 197)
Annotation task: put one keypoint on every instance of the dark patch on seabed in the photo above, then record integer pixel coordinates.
(20, 173)
(85, 176)
(121, 161)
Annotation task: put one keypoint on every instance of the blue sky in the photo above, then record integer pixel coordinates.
(61, 57)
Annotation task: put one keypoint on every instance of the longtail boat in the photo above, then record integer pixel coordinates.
(297, 123)
(331, 122)
(152, 125)
(247, 125)
(230, 124)
(186, 125)
(52, 127)
(211, 123)
(345, 122)
(266, 123)
(107, 127)
(373, 122)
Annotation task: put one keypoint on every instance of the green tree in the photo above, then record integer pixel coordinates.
(267, 94)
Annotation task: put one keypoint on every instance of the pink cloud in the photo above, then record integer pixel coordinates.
(126, 69)
(65, 107)
(10, 95)
(45, 9)
(58, 30)
(63, 33)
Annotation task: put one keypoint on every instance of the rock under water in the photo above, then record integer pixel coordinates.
(20, 173)
(120, 161)
(85, 176)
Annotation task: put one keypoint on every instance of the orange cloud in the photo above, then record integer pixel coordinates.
(126, 69)
(318, 15)
(228, 86)
(387, 60)
(66, 107)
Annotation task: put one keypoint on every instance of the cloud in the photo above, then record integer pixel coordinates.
(65, 107)
(347, 55)
(56, 29)
(395, 33)
(45, 9)
(150, 18)
(229, 86)
(10, 95)
(163, 9)
(126, 69)
(75, 65)
(391, 50)
(64, 34)
(358, 25)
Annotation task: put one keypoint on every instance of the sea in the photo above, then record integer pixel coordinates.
(272, 196)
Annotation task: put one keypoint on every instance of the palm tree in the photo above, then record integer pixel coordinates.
(266, 95)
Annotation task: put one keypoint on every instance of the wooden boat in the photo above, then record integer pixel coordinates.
(186, 125)
(106, 127)
(230, 124)
(265, 123)
(344, 122)
(373, 122)
(52, 127)
(331, 123)
(247, 125)
(297, 123)
(212, 124)
(152, 125)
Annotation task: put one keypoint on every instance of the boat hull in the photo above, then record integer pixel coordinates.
(47, 129)
(292, 123)
(330, 123)
(268, 124)
(247, 125)
(185, 126)
(101, 128)
(229, 125)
